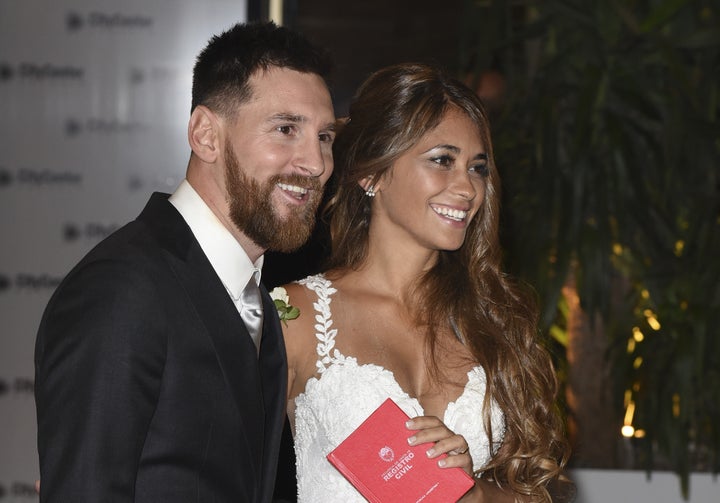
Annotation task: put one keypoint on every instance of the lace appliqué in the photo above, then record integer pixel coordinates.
(326, 351)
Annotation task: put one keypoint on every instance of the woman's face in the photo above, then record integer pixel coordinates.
(434, 190)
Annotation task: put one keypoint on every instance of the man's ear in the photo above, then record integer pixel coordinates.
(204, 134)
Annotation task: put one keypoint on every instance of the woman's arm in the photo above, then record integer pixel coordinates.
(300, 340)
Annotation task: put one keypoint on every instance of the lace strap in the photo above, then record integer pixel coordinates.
(323, 320)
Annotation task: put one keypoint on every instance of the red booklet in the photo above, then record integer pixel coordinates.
(378, 461)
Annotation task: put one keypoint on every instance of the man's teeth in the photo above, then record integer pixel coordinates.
(293, 188)
(458, 215)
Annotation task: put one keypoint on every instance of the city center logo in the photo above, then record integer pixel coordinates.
(37, 71)
(98, 125)
(18, 491)
(6, 177)
(20, 386)
(48, 177)
(6, 72)
(75, 21)
(29, 282)
(5, 283)
(36, 282)
(39, 177)
(94, 231)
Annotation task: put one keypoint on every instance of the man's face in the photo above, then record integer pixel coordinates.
(278, 156)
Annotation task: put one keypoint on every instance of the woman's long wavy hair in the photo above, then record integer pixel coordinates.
(497, 318)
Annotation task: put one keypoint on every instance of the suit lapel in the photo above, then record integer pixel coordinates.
(273, 370)
(234, 348)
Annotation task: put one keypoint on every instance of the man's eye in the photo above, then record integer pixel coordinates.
(326, 137)
(285, 129)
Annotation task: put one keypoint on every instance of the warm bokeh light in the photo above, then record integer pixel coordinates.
(629, 413)
(627, 431)
(638, 336)
(679, 247)
(651, 319)
(631, 345)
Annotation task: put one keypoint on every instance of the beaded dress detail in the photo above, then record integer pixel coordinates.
(343, 394)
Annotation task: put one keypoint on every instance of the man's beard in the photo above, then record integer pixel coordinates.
(252, 211)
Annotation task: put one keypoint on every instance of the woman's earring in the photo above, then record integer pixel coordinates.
(370, 192)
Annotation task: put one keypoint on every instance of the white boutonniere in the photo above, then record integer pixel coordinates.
(282, 303)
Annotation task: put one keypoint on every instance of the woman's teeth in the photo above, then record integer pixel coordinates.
(458, 215)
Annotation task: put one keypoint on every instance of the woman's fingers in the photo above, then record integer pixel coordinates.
(443, 441)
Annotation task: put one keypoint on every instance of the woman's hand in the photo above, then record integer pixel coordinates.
(445, 441)
(432, 430)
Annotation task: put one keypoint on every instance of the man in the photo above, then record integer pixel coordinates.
(153, 381)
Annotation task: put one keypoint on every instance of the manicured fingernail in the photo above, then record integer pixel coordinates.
(430, 452)
(409, 424)
(442, 463)
(411, 440)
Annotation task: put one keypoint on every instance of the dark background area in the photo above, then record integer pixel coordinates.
(366, 35)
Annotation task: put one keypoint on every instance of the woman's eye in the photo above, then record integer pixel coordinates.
(443, 160)
(480, 169)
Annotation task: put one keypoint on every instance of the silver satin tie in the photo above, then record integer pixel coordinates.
(251, 311)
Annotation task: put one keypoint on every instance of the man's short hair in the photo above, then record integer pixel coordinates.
(225, 65)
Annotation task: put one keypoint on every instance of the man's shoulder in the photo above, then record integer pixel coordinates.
(139, 243)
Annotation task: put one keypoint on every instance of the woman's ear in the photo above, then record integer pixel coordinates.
(370, 184)
(204, 134)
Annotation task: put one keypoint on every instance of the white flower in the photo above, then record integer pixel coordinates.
(279, 293)
(281, 299)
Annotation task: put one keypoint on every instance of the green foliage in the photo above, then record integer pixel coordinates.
(609, 149)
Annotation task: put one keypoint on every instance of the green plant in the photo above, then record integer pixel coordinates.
(609, 147)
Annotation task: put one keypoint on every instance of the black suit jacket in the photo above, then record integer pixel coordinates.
(148, 387)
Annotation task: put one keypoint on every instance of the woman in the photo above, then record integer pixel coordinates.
(414, 306)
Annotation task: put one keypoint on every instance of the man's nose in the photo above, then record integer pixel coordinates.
(309, 158)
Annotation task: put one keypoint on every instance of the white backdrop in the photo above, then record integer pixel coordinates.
(94, 102)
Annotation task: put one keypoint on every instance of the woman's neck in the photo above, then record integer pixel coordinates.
(394, 270)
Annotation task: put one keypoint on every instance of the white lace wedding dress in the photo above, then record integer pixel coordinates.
(344, 394)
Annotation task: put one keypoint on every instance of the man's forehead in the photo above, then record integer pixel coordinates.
(292, 95)
(281, 76)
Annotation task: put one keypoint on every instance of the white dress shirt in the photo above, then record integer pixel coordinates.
(227, 257)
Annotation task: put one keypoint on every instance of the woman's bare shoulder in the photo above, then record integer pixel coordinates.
(300, 339)
(300, 297)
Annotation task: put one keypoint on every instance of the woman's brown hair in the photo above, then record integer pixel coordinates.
(466, 290)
